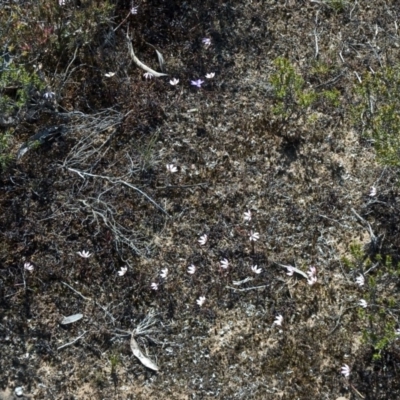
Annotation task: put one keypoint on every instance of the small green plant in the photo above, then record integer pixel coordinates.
(5, 145)
(292, 98)
(377, 113)
(114, 361)
(337, 5)
(377, 308)
(289, 91)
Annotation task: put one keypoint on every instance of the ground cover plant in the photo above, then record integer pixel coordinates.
(199, 200)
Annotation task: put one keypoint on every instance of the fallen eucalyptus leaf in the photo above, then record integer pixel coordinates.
(71, 319)
(141, 357)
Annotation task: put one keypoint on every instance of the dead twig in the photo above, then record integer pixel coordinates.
(138, 62)
(71, 343)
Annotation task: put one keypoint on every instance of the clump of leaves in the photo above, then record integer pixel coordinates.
(293, 99)
(377, 112)
(17, 87)
(5, 145)
(380, 296)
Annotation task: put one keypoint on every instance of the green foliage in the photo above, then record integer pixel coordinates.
(378, 113)
(337, 5)
(381, 315)
(17, 85)
(114, 361)
(293, 98)
(5, 144)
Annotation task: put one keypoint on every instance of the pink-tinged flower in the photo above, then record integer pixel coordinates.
(148, 75)
(345, 370)
(360, 280)
(122, 271)
(290, 270)
(203, 240)
(210, 75)
(312, 280)
(154, 286)
(174, 81)
(197, 83)
(200, 301)
(191, 269)
(256, 270)
(278, 320)
(49, 95)
(134, 10)
(372, 191)
(312, 271)
(224, 263)
(164, 273)
(247, 216)
(206, 42)
(254, 236)
(363, 303)
(171, 168)
(84, 254)
(29, 267)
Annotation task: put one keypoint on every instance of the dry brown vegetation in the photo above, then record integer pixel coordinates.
(303, 169)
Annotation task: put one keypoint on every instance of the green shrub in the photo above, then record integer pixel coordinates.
(293, 100)
(380, 317)
(377, 113)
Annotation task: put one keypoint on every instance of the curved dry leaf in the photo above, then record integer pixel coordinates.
(141, 357)
(298, 271)
(140, 64)
(71, 319)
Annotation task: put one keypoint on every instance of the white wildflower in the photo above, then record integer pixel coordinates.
(200, 301)
(84, 254)
(203, 240)
(345, 370)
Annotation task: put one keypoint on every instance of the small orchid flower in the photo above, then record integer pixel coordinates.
(256, 270)
(200, 301)
(360, 280)
(122, 271)
(210, 75)
(206, 42)
(290, 270)
(84, 254)
(312, 280)
(197, 83)
(148, 75)
(171, 168)
(372, 191)
(49, 95)
(134, 10)
(109, 74)
(164, 273)
(397, 333)
(345, 370)
(254, 236)
(154, 286)
(278, 320)
(29, 267)
(174, 81)
(247, 216)
(312, 272)
(191, 269)
(224, 263)
(61, 2)
(203, 240)
(363, 303)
